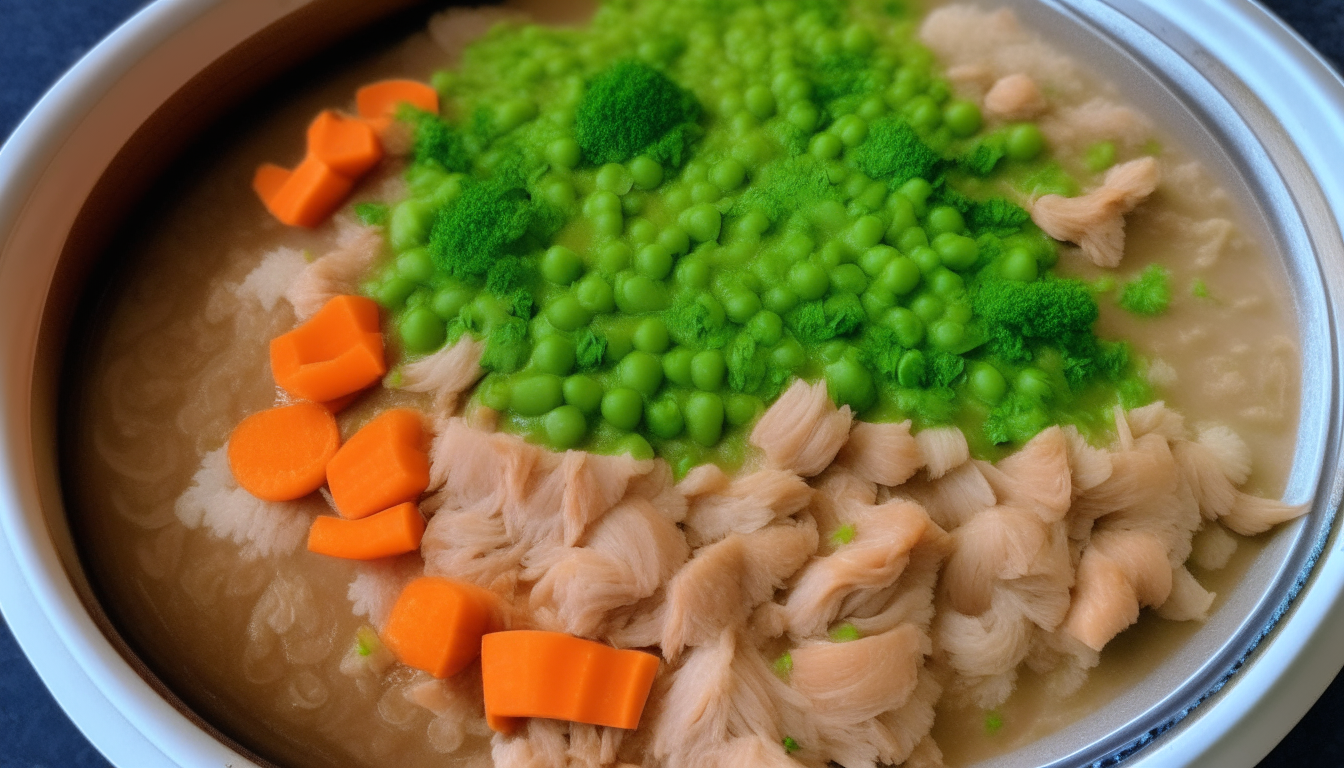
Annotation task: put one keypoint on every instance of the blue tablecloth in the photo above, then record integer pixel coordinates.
(39, 39)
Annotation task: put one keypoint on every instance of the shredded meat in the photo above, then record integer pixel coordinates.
(1096, 221)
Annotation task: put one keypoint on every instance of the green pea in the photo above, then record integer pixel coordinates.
(583, 392)
(564, 153)
(702, 222)
(963, 118)
(1019, 265)
(987, 383)
(642, 231)
(740, 305)
(496, 393)
(392, 293)
(1100, 156)
(851, 129)
(728, 174)
(946, 283)
(707, 370)
(780, 299)
(741, 409)
(416, 265)
(900, 276)
(705, 192)
(1034, 383)
(485, 311)
(601, 202)
(826, 146)
(858, 39)
(804, 116)
(917, 191)
(923, 114)
(927, 306)
(875, 259)
(704, 417)
(907, 325)
(642, 372)
(956, 251)
(910, 370)
(636, 446)
(620, 341)
(450, 300)
(646, 172)
(632, 203)
(421, 330)
(947, 335)
(759, 101)
(663, 418)
(866, 233)
(651, 335)
(554, 354)
(677, 366)
(872, 108)
(833, 253)
(808, 280)
(789, 355)
(614, 178)
(565, 427)
(1024, 142)
(558, 192)
(640, 294)
(560, 265)
(945, 218)
(608, 224)
(513, 113)
(594, 295)
(693, 272)
(568, 313)
(902, 213)
(622, 408)
(848, 278)
(926, 259)
(849, 383)
(912, 238)
(653, 261)
(536, 394)
(410, 223)
(876, 301)
(833, 351)
(766, 327)
(614, 257)
(675, 240)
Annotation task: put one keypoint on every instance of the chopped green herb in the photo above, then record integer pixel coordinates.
(366, 641)
(1103, 284)
(844, 633)
(993, 722)
(784, 665)
(1150, 293)
(843, 535)
(371, 214)
(1100, 156)
(790, 745)
(1199, 289)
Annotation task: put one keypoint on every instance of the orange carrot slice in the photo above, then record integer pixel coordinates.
(348, 146)
(394, 531)
(548, 674)
(437, 624)
(383, 464)
(337, 352)
(269, 180)
(281, 454)
(310, 194)
(378, 102)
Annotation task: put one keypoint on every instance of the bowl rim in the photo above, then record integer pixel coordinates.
(132, 724)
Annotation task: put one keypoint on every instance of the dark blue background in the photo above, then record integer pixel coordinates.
(40, 39)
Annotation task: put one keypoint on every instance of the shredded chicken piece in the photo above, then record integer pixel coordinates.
(1096, 221)
(1119, 573)
(803, 430)
(1014, 97)
(885, 454)
(336, 273)
(944, 449)
(446, 373)
(747, 504)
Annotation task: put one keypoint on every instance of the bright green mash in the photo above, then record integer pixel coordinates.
(657, 221)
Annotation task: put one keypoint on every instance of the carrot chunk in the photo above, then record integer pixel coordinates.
(394, 531)
(548, 674)
(383, 464)
(269, 180)
(281, 454)
(310, 194)
(337, 352)
(437, 624)
(348, 146)
(378, 102)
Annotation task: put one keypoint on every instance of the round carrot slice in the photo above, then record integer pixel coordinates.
(282, 454)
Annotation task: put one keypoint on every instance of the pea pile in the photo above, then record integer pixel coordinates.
(655, 222)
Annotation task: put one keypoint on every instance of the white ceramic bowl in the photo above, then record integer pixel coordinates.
(1266, 108)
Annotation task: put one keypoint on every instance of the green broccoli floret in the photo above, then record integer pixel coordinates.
(510, 273)
(997, 216)
(488, 221)
(880, 351)
(943, 368)
(630, 107)
(787, 185)
(893, 151)
(506, 348)
(437, 143)
(371, 214)
(816, 321)
(747, 365)
(1015, 315)
(1150, 294)
(984, 156)
(589, 350)
(697, 323)
(842, 74)
(1049, 180)
(1016, 419)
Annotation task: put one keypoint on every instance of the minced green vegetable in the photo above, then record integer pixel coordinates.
(844, 534)
(791, 745)
(993, 722)
(371, 214)
(1199, 289)
(1150, 293)
(656, 222)
(844, 633)
(783, 666)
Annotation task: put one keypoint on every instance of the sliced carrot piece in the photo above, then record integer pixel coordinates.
(268, 181)
(553, 675)
(337, 352)
(348, 146)
(378, 102)
(436, 624)
(383, 464)
(394, 531)
(311, 193)
(281, 454)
